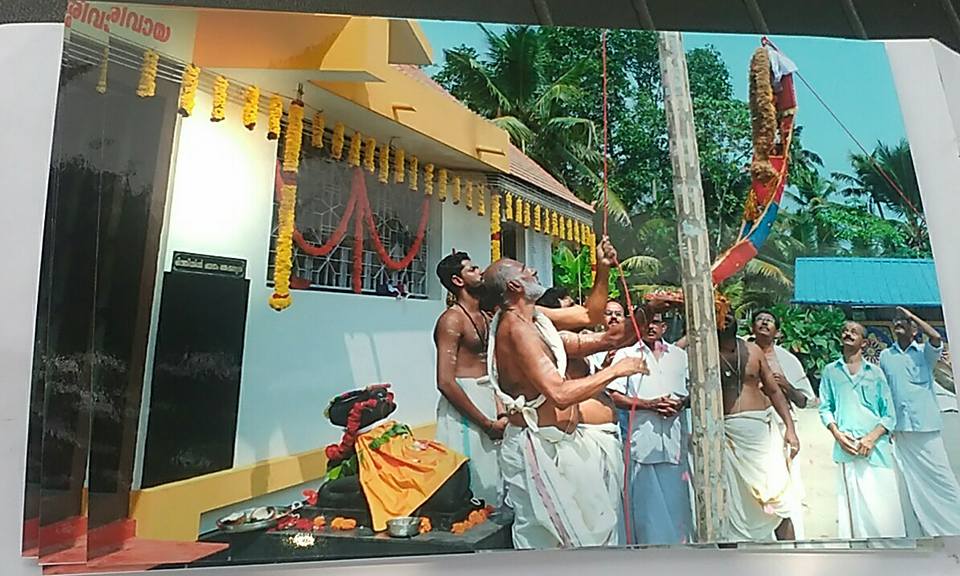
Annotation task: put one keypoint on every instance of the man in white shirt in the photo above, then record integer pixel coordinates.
(790, 375)
(657, 503)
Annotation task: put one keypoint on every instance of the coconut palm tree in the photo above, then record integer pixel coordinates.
(509, 86)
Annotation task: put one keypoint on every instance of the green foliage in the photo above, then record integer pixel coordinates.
(811, 333)
(572, 271)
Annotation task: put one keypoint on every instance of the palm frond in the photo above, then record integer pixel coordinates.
(768, 270)
(645, 265)
(520, 134)
(478, 81)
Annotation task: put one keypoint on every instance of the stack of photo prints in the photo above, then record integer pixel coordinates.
(325, 287)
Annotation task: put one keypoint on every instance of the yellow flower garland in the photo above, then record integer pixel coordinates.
(399, 166)
(294, 137)
(494, 227)
(442, 185)
(481, 199)
(414, 173)
(336, 143)
(220, 87)
(251, 107)
(576, 232)
(384, 175)
(188, 90)
(316, 132)
(468, 195)
(526, 214)
(456, 189)
(353, 155)
(518, 211)
(570, 229)
(593, 256)
(508, 207)
(104, 65)
(370, 155)
(274, 115)
(428, 180)
(562, 234)
(536, 218)
(283, 264)
(147, 86)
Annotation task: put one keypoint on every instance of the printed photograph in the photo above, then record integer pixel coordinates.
(324, 287)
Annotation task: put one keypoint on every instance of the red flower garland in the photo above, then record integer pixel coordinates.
(346, 447)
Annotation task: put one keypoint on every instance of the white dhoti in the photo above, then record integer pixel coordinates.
(660, 503)
(606, 437)
(458, 433)
(756, 476)
(799, 495)
(867, 507)
(555, 487)
(932, 489)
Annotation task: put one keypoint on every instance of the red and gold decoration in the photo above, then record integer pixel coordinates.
(399, 166)
(773, 107)
(251, 107)
(384, 175)
(353, 155)
(274, 115)
(147, 87)
(319, 124)
(428, 180)
(413, 174)
(442, 185)
(336, 143)
(104, 68)
(495, 227)
(220, 88)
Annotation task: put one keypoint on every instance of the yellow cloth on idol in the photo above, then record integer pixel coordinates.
(402, 474)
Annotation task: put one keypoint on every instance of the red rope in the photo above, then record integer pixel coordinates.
(623, 283)
(876, 166)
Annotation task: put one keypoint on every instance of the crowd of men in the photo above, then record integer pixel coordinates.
(584, 433)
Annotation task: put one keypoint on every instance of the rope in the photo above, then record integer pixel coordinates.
(876, 166)
(623, 283)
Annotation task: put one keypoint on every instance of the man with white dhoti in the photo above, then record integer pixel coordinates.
(756, 455)
(856, 406)
(931, 501)
(650, 408)
(790, 375)
(552, 473)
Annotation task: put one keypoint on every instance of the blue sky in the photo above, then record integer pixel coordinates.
(853, 77)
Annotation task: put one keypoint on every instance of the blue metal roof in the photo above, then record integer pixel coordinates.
(866, 282)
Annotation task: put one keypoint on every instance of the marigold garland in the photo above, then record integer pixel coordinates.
(554, 224)
(370, 155)
(536, 218)
(384, 176)
(561, 232)
(455, 193)
(428, 180)
(104, 66)
(283, 264)
(518, 211)
(147, 86)
(220, 87)
(508, 207)
(251, 107)
(188, 90)
(763, 116)
(336, 143)
(481, 199)
(593, 255)
(399, 166)
(494, 227)
(576, 232)
(414, 173)
(294, 137)
(569, 229)
(526, 214)
(468, 195)
(442, 185)
(274, 115)
(353, 155)
(316, 131)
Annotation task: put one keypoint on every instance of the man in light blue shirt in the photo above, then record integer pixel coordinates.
(857, 408)
(931, 494)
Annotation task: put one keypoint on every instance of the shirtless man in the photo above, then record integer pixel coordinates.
(469, 418)
(553, 475)
(756, 464)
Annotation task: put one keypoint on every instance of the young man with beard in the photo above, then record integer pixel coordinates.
(756, 455)
(932, 497)
(793, 381)
(856, 406)
(552, 472)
